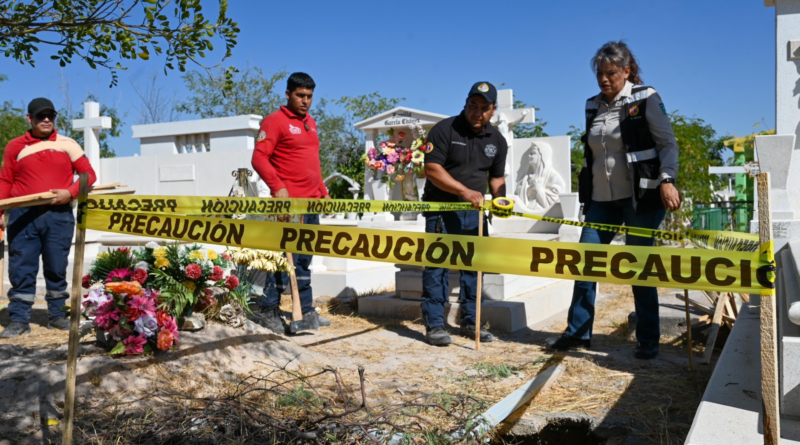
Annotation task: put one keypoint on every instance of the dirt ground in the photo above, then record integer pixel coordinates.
(645, 401)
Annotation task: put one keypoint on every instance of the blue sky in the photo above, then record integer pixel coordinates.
(709, 59)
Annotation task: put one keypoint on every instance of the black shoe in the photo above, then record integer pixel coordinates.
(468, 330)
(270, 318)
(61, 323)
(438, 336)
(567, 343)
(15, 329)
(646, 352)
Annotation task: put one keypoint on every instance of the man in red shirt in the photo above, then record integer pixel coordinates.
(286, 157)
(40, 161)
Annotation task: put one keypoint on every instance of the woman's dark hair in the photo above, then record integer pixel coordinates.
(619, 54)
(300, 80)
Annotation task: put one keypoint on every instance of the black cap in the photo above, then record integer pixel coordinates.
(485, 89)
(40, 104)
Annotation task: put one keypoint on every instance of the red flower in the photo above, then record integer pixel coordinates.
(140, 276)
(132, 313)
(226, 257)
(162, 317)
(193, 271)
(216, 274)
(123, 249)
(87, 281)
(232, 282)
(165, 340)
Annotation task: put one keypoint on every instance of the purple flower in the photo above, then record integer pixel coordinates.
(146, 324)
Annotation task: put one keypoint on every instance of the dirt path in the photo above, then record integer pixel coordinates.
(606, 388)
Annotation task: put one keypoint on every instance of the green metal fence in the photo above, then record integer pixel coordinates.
(727, 215)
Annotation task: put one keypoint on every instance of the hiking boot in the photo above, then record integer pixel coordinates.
(646, 352)
(323, 321)
(15, 329)
(468, 330)
(61, 323)
(567, 343)
(438, 336)
(270, 318)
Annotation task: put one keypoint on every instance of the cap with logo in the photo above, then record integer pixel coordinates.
(40, 104)
(485, 89)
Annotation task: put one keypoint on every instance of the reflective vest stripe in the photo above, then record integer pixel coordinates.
(638, 156)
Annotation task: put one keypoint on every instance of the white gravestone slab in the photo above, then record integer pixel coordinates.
(775, 156)
(175, 173)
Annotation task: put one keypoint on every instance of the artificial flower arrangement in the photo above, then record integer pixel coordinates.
(398, 156)
(130, 315)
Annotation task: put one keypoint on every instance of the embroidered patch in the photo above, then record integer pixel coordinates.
(663, 109)
(261, 136)
(427, 148)
(483, 88)
(634, 111)
(490, 150)
(293, 129)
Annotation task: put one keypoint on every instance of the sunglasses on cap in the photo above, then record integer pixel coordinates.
(46, 115)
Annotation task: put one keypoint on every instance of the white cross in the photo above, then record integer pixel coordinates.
(91, 124)
(507, 116)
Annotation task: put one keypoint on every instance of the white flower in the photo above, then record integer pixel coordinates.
(152, 245)
(142, 265)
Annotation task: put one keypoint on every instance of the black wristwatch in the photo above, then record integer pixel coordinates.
(668, 181)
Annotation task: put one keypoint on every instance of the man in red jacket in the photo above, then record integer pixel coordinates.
(40, 161)
(286, 157)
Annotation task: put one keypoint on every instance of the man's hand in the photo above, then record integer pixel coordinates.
(326, 197)
(282, 193)
(670, 196)
(62, 197)
(476, 198)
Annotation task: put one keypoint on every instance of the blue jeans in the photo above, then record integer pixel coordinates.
(581, 311)
(279, 281)
(435, 284)
(44, 231)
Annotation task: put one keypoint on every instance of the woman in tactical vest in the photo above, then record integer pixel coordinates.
(630, 167)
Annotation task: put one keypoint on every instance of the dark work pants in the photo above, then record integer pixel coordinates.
(581, 312)
(435, 284)
(279, 281)
(44, 231)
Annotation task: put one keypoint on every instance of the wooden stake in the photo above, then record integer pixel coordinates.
(688, 323)
(297, 310)
(479, 292)
(2, 263)
(74, 315)
(769, 331)
(715, 322)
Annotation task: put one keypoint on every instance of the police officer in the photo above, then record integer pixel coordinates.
(465, 154)
(40, 161)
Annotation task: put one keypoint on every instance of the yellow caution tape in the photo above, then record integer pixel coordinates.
(642, 266)
(210, 205)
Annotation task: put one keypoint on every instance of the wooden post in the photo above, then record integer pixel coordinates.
(688, 324)
(479, 292)
(715, 322)
(74, 315)
(2, 262)
(297, 310)
(769, 330)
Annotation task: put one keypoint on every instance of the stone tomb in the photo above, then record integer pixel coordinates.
(511, 302)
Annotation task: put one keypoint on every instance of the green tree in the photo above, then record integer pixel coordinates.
(12, 124)
(64, 124)
(249, 92)
(700, 148)
(104, 32)
(575, 154)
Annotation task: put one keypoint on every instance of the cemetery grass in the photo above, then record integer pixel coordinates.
(653, 401)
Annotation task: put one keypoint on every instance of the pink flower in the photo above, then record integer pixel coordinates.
(118, 275)
(123, 249)
(86, 282)
(372, 154)
(216, 274)
(107, 315)
(193, 271)
(171, 326)
(118, 332)
(143, 304)
(226, 257)
(389, 169)
(232, 282)
(383, 144)
(134, 344)
(140, 275)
